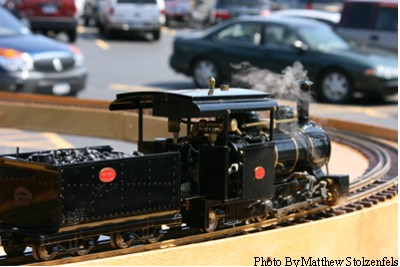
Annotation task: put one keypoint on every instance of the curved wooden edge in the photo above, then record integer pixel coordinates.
(354, 238)
(356, 127)
(52, 100)
(92, 118)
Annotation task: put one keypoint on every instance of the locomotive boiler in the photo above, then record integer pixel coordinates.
(233, 156)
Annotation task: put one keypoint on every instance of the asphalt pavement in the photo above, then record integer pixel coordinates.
(103, 85)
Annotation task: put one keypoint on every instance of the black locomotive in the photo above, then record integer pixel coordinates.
(241, 157)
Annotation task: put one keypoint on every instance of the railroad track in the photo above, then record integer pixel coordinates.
(376, 184)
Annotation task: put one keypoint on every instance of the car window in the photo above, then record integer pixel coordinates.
(322, 38)
(278, 35)
(387, 19)
(249, 33)
(355, 20)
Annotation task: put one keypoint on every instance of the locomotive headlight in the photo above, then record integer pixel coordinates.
(13, 60)
(383, 72)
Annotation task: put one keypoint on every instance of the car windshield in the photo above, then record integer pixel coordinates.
(9, 25)
(322, 38)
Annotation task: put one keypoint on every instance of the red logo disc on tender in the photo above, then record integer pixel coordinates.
(259, 173)
(107, 175)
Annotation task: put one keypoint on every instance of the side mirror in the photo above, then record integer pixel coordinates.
(302, 47)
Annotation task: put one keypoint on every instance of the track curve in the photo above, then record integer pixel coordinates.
(376, 184)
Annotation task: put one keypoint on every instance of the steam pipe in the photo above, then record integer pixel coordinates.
(303, 102)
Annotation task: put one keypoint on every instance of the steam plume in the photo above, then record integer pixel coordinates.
(285, 85)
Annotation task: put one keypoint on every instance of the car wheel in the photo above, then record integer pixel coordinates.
(108, 32)
(203, 70)
(86, 20)
(101, 27)
(157, 34)
(72, 34)
(334, 87)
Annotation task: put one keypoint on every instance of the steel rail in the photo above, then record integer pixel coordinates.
(382, 157)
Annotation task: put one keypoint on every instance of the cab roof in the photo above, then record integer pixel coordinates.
(195, 102)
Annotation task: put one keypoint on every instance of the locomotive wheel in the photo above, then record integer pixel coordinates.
(259, 218)
(42, 253)
(333, 194)
(154, 236)
(212, 221)
(86, 246)
(121, 239)
(14, 250)
(83, 251)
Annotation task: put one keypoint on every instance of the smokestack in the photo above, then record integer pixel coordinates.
(303, 102)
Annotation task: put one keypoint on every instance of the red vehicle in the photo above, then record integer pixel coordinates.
(51, 15)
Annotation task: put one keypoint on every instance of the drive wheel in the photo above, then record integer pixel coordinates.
(203, 70)
(14, 250)
(42, 253)
(334, 87)
(212, 221)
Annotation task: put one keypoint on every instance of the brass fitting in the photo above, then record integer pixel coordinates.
(211, 85)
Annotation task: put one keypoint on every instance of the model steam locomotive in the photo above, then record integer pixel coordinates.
(241, 157)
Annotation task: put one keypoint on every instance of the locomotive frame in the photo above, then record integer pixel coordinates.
(229, 168)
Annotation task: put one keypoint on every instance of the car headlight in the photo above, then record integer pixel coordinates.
(13, 60)
(78, 56)
(383, 72)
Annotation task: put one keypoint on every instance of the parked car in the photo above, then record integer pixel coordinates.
(205, 13)
(138, 16)
(372, 22)
(91, 12)
(326, 5)
(177, 10)
(273, 43)
(330, 18)
(51, 15)
(33, 63)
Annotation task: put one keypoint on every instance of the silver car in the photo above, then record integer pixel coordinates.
(138, 16)
(372, 22)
